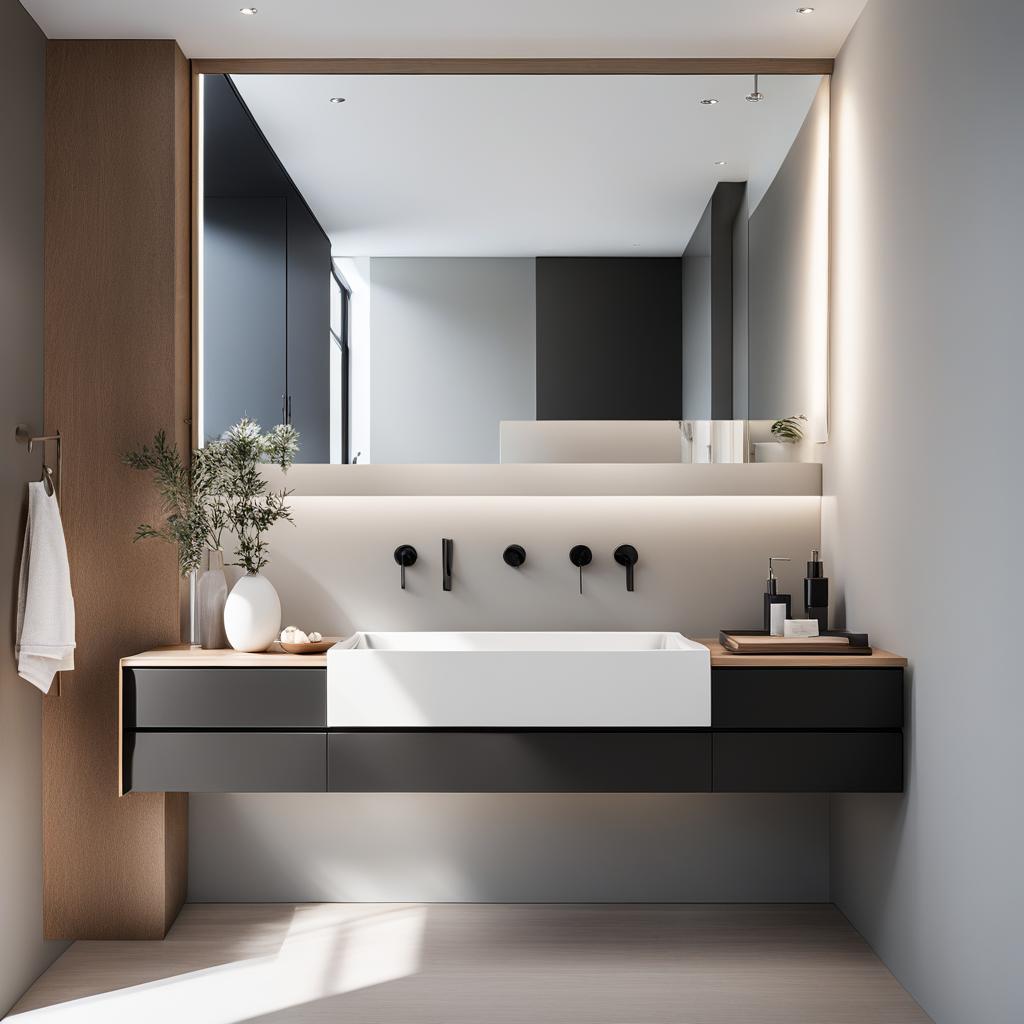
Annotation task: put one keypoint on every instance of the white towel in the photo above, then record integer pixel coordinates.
(46, 609)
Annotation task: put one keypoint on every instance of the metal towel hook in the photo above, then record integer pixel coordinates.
(24, 436)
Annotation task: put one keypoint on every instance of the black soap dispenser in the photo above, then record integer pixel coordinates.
(816, 593)
(772, 597)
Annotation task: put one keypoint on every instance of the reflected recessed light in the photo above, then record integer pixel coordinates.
(805, 10)
(710, 101)
(247, 10)
(337, 99)
(721, 163)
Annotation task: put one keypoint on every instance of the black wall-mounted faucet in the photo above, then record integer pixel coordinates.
(627, 555)
(447, 556)
(514, 555)
(580, 556)
(405, 554)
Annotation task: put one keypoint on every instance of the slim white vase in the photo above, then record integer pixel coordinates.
(252, 614)
(212, 595)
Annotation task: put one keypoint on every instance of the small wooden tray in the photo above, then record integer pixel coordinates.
(858, 643)
(315, 647)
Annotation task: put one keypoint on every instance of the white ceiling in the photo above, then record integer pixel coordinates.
(459, 28)
(521, 165)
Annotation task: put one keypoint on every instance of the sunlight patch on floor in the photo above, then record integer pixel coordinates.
(320, 957)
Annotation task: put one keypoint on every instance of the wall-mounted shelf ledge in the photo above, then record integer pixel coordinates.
(553, 480)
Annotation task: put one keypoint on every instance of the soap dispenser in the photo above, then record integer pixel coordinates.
(816, 593)
(777, 607)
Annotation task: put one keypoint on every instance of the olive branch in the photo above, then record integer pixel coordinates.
(220, 490)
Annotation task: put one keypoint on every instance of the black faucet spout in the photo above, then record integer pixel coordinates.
(627, 555)
(447, 557)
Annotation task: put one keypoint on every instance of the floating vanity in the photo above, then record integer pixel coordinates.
(221, 721)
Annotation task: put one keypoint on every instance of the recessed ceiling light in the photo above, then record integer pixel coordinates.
(337, 99)
(708, 101)
(721, 163)
(248, 11)
(805, 10)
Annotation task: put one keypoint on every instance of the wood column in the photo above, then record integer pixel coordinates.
(117, 369)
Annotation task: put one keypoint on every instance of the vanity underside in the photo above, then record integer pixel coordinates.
(786, 729)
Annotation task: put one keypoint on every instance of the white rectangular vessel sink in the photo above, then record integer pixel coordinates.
(516, 680)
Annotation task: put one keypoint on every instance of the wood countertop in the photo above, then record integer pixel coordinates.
(721, 658)
(183, 655)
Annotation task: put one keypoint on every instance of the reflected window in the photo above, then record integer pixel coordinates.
(339, 343)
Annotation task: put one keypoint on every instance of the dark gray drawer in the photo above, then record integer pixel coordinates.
(226, 762)
(806, 698)
(519, 762)
(225, 698)
(808, 762)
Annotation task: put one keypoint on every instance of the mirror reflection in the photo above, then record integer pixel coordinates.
(474, 269)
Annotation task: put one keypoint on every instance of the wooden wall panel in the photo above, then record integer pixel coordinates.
(117, 369)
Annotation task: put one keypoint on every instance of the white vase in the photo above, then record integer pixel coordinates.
(774, 451)
(252, 614)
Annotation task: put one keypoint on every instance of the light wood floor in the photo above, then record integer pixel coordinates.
(623, 964)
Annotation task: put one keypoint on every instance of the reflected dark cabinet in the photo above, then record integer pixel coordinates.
(245, 267)
(266, 272)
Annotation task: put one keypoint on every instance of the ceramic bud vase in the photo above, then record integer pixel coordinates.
(213, 593)
(252, 614)
(774, 451)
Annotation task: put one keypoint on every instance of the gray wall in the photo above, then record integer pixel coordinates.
(23, 953)
(452, 353)
(922, 518)
(701, 566)
(783, 254)
(709, 307)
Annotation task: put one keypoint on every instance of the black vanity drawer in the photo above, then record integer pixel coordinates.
(226, 762)
(418, 761)
(225, 698)
(806, 698)
(808, 762)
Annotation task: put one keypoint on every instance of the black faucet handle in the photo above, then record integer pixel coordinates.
(514, 555)
(581, 555)
(627, 555)
(447, 555)
(405, 554)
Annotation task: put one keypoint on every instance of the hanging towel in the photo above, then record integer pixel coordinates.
(46, 610)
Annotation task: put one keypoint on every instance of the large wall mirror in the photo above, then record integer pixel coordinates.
(488, 268)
